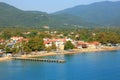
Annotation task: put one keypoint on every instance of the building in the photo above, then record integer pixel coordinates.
(94, 45)
(59, 42)
(15, 39)
(81, 44)
(2, 41)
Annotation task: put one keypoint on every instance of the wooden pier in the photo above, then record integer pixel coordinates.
(39, 59)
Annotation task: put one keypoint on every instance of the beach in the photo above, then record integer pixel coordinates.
(5, 58)
(72, 51)
(64, 52)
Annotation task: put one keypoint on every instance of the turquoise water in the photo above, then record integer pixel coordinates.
(85, 66)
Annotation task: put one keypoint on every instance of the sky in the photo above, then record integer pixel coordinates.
(48, 6)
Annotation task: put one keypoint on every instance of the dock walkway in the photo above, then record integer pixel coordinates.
(39, 59)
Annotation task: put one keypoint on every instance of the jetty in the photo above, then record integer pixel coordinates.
(39, 59)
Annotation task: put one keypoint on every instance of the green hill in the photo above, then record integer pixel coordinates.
(96, 14)
(102, 13)
(13, 17)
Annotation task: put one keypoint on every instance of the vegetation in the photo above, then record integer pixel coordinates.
(53, 47)
(104, 13)
(80, 16)
(68, 45)
(26, 48)
(36, 44)
(36, 35)
(70, 23)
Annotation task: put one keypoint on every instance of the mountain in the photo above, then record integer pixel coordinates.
(104, 13)
(14, 17)
(11, 16)
(97, 14)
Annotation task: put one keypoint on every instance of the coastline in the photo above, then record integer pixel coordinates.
(4, 59)
(73, 51)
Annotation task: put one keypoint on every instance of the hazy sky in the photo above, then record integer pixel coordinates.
(48, 5)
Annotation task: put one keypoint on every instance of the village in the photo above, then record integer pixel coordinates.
(32, 42)
(59, 43)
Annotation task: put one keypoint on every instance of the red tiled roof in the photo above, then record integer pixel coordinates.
(1, 40)
(95, 43)
(81, 43)
(54, 40)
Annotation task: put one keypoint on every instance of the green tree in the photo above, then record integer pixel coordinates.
(32, 34)
(48, 49)
(36, 44)
(68, 45)
(15, 50)
(53, 47)
(6, 34)
(2, 46)
(26, 49)
(7, 49)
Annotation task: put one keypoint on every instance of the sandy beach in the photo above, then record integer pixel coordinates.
(4, 58)
(73, 51)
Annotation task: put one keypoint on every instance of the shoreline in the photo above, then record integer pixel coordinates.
(4, 59)
(73, 51)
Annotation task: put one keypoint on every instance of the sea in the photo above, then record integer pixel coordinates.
(103, 65)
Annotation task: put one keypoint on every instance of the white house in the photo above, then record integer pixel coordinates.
(59, 42)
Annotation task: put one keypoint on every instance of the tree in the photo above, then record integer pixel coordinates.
(15, 50)
(26, 48)
(69, 45)
(48, 49)
(7, 49)
(32, 34)
(2, 46)
(53, 47)
(36, 44)
(6, 34)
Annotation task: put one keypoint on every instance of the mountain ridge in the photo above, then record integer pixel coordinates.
(17, 17)
(105, 13)
(92, 15)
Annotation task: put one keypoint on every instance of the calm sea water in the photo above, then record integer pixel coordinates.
(85, 66)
